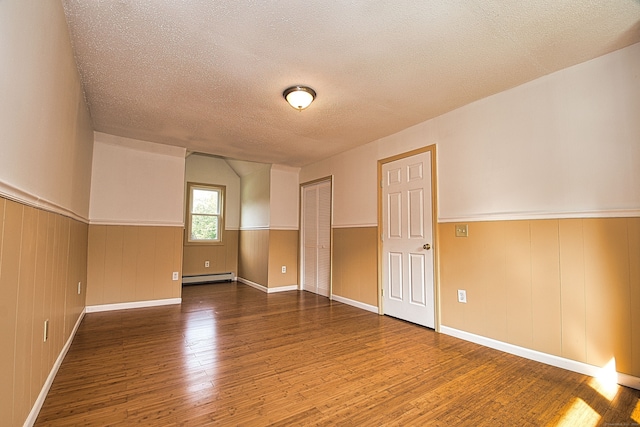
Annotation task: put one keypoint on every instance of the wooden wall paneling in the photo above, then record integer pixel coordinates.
(479, 270)
(96, 264)
(572, 292)
(633, 225)
(491, 267)
(24, 314)
(231, 245)
(545, 287)
(367, 257)
(129, 264)
(283, 250)
(38, 374)
(8, 293)
(113, 264)
(77, 262)
(48, 354)
(450, 251)
(163, 284)
(196, 255)
(177, 256)
(9, 279)
(340, 254)
(60, 334)
(518, 280)
(354, 264)
(254, 256)
(146, 263)
(608, 307)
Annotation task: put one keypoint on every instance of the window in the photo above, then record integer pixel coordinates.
(205, 213)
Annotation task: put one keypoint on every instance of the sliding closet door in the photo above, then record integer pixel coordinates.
(316, 237)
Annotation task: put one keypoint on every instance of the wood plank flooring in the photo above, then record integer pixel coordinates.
(232, 355)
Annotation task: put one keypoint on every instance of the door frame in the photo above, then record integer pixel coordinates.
(434, 226)
(328, 178)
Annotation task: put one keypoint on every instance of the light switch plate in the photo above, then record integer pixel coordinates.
(462, 230)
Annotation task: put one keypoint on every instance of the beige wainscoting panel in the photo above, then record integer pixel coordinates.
(9, 276)
(545, 287)
(39, 372)
(283, 250)
(518, 279)
(253, 258)
(572, 293)
(96, 264)
(24, 315)
(133, 263)
(129, 264)
(113, 259)
(41, 260)
(491, 273)
(608, 298)
(572, 286)
(355, 264)
(222, 258)
(452, 253)
(634, 282)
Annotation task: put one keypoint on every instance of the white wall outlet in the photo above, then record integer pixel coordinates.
(462, 296)
(207, 264)
(176, 275)
(79, 287)
(284, 269)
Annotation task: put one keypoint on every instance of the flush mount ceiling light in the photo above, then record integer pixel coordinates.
(299, 97)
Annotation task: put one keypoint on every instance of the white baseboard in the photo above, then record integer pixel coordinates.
(134, 304)
(37, 405)
(265, 289)
(549, 359)
(358, 304)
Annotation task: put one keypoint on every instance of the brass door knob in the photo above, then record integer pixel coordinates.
(426, 246)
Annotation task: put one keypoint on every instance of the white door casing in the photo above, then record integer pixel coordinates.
(407, 240)
(316, 238)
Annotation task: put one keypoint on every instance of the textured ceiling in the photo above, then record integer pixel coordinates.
(209, 75)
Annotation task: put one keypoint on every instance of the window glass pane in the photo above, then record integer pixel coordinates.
(204, 227)
(205, 201)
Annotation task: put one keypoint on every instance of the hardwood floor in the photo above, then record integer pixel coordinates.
(232, 355)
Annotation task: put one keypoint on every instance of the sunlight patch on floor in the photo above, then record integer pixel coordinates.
(606, 382)
(635, 416)
(579, 414)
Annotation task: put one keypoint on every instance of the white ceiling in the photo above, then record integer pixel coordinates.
(208, 75)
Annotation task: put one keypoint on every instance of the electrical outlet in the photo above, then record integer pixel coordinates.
(284, 269)
(462, 296)
(79, 287)
(176, 275)
(46, 330)
(207, 264)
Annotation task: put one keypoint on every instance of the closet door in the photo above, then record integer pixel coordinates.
(316, 238)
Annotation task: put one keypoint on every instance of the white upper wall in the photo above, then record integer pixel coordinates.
(136, 182)
(211, 170)
(254, 199)
(46, 136)
(284, 195)
(567, 144)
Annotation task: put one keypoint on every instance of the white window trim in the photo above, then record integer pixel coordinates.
(202, 186)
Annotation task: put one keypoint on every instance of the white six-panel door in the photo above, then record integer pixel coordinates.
(407, 256)
(316, 237)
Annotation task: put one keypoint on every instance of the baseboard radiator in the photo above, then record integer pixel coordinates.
(208, 278)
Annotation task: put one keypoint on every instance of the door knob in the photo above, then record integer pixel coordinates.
(426, 246)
